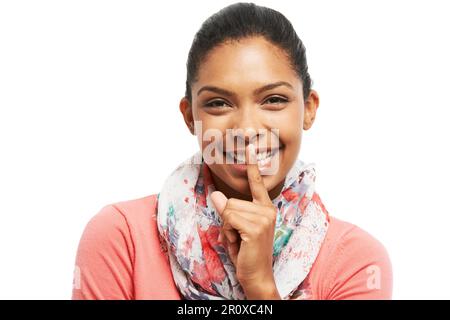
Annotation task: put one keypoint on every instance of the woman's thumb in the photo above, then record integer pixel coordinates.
(219, 200)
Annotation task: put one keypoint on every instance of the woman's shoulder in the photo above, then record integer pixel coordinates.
(353, 264)
(137, 209)
(342, 230)
(119, 255)
(344, 237)
(135, 215)
(130, 225)
(133, 210)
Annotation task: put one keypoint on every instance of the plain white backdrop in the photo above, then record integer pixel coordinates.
(89, 94)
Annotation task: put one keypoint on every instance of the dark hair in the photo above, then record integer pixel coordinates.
(241, 20)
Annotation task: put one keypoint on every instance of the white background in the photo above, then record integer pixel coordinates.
(89, 94)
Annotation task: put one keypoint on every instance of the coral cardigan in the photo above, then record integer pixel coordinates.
(120, 257)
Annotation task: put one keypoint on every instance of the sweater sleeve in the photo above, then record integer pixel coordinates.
(104, 262)
(360, 269)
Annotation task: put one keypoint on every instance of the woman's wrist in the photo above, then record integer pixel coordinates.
(261, 290)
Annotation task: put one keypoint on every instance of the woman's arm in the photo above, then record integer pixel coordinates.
(104, 268)
(360, 268)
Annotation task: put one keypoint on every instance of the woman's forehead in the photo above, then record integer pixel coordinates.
(253, 60)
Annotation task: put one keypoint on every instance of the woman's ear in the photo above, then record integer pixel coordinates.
(311, 105)
(186, 110)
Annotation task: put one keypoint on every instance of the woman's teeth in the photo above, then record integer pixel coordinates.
(262, 157)
(239, 156)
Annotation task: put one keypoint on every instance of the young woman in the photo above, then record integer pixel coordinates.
(243, 221)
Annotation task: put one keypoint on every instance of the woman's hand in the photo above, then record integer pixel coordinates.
(248, 233)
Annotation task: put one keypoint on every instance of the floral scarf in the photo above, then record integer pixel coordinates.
(189, 227)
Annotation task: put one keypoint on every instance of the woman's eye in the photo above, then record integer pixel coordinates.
(276, 100)
(216, 104)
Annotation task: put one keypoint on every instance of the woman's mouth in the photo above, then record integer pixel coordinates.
(236, 159)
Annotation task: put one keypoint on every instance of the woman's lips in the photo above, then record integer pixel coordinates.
(236, 160)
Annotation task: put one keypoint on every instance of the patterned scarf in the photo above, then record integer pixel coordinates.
(189, 227)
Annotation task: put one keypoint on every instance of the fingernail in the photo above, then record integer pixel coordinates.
(220, 238)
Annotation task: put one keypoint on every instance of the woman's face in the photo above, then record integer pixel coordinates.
(249, 88)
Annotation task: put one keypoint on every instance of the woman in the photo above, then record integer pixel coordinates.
(241, 218)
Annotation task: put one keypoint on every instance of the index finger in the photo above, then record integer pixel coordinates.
(255, 181)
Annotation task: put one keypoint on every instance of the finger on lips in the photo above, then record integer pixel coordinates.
(255, 181)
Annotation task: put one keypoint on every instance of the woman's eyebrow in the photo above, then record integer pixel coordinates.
(255, 92)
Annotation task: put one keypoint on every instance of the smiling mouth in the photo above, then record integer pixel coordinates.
(263, 156)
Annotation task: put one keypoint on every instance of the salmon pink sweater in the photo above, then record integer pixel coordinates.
(120, 257)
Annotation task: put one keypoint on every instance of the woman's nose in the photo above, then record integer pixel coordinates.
(247, 125)
(246, 119)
